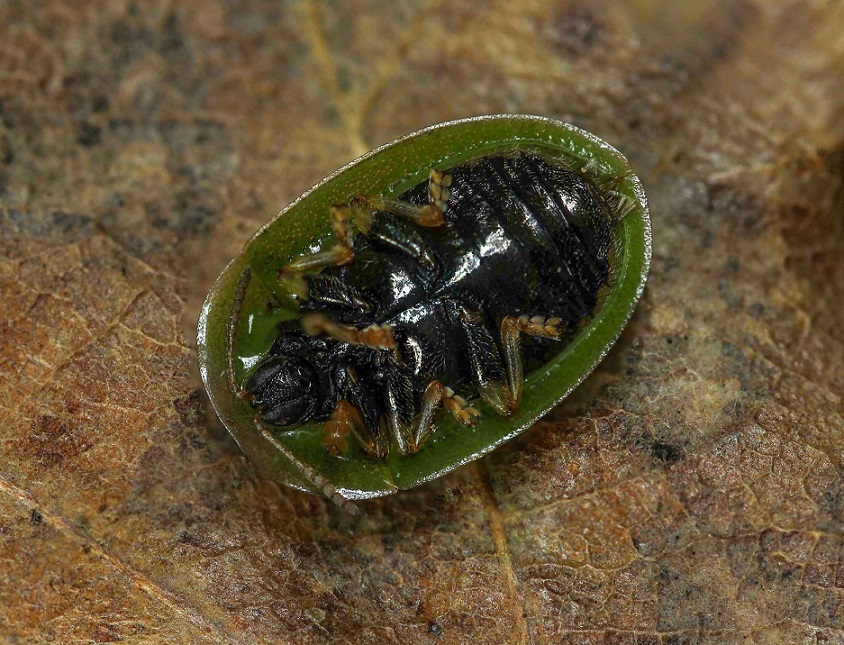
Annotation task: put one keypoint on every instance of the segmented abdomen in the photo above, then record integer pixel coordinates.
(530, 236)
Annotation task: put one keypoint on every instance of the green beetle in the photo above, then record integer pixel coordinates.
(432, 299)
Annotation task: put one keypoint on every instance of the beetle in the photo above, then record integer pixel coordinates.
(430, 300)
(434, 294)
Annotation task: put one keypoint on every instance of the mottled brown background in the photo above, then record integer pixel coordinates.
(690, 492)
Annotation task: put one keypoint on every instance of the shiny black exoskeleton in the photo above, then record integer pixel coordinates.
(523, 250)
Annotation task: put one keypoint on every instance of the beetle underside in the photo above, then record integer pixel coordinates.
(433, 298)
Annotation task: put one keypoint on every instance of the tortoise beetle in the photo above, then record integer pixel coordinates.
(425, 303)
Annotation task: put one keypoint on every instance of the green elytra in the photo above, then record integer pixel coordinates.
(296, 456)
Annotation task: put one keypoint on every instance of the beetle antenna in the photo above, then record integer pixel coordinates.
(310, 474)
(234, 323)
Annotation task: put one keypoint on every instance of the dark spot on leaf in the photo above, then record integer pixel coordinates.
(106, 633)
(831, 505)
(8, 153)
(196, 441)
(51, 225)
(435, 628)
(727, 292)
(89, 134)
(731, 351)
(665, 452)
(191, 539)
(189, 409)
(574, 30)
(100, 103)
(173, 40)
(756, 310)
(192, 213)
(51, 442)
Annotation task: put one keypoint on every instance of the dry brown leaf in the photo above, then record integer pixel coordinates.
(690, 492)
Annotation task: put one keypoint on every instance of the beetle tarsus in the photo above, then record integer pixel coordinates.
(363, 210)
(292, 275)
(436, 394)
(538, 326)
(460, 408)
(439, 192)
(512, 328)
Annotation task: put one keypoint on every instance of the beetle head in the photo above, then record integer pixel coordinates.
(286, 389)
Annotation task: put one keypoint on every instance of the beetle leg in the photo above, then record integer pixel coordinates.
(402, 236)
(330, 290)
(488, 372)
(339, 425)
(231, 332)
(439, 191)
(374, 336)
(423, 424)
(355, 412)
(292, 275)
(436, 394)
(346, 419)
(363, 209)
(398, 419)
(460, 408)
(512, 328)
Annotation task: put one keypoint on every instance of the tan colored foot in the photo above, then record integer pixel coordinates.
(460, 408)
(439, 192)
(292, 275)
(540, 326)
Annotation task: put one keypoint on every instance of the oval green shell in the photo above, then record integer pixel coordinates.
(296, 456)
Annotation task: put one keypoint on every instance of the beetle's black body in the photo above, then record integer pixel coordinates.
(522, 236)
